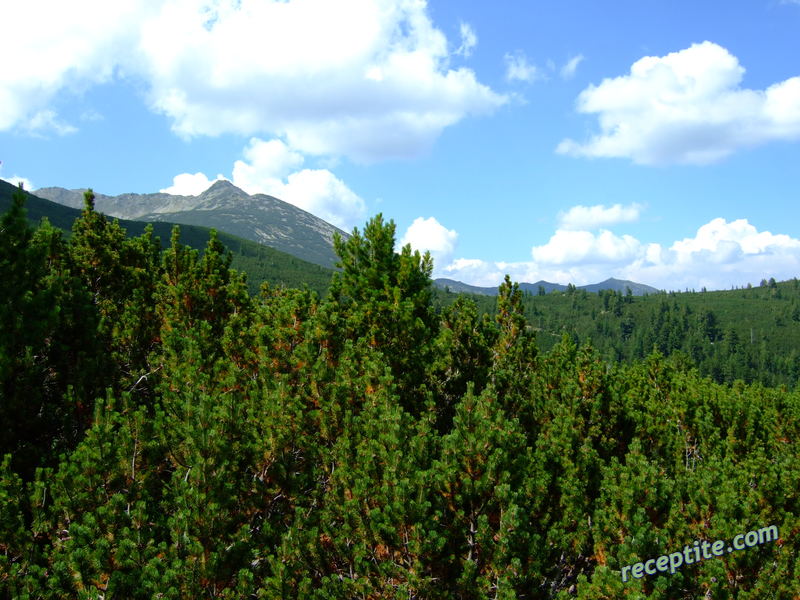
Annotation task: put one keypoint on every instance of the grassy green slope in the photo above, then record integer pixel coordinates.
(261, 263)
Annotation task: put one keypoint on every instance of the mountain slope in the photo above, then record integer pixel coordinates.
(224, 207)
(260, 262)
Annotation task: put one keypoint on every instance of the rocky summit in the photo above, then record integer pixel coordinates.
(225, 207)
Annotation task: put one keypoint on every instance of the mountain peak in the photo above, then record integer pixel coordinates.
(225, 207)
(222, 185)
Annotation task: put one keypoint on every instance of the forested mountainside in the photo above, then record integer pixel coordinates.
(167, 435)
(751, 334)
(261, 263)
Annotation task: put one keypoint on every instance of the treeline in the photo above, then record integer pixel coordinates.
(167, 435)
(752, 334)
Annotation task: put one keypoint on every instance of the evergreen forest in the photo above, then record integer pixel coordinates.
(750, 333)
(166, 433)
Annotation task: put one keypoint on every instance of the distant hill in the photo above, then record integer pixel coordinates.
(260, 262)
(548, 287)
(224, 207)
(618, 285)
(463, 288)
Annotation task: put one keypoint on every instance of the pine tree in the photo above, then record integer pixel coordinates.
(120, 275)
(47, 344)
(481, 478)
(513, 356)
(463, 357)
(385, 298)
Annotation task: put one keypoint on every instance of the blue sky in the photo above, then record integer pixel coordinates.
(569, 141)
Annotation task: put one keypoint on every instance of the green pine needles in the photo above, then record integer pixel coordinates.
(166, 434)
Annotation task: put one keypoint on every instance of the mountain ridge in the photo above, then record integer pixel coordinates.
(261, 263)
(618, 285)
(223, 206)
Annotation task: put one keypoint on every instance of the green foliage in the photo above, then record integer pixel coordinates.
(120, 275)
(168, 435)
(482, 478)
(462, 356)
(750, 334)
(47, 346)
(384, 298)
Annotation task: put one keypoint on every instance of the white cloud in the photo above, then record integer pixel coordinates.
(266, 164)
(16, 180)
(491, 274)
(584, 247)
(599, 215)
(190, 184)
(474, 272)
(519, 69)
(330, 77)
(717, 236)
(271, 167)
(686, 107)
(78, 44)
(429, 234)
(368, 79)
(321, 193)
(468, 40)
(569, 68)
(719, 255)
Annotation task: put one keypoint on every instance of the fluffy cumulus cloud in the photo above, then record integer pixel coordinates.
(266, 164)
(572, 247)
(599, 215)
(685, 107)
(271, 167)
(430, 235)
(190, 184)
(363, 78)
(368, 79)
(490, 273)
(720, 253)
(475, 271)
(79, 44)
